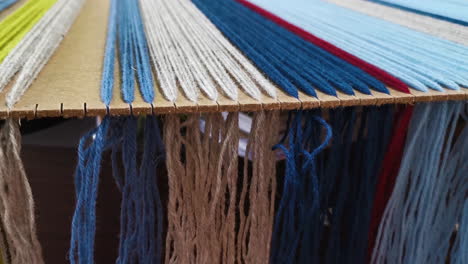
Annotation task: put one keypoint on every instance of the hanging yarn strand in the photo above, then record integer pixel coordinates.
(427, 201)
(202, 189)
(258, 192)
(141, 217)
(16, 200)
(299, 205)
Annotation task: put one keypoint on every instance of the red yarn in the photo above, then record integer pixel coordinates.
(388, 173)
(378, 73)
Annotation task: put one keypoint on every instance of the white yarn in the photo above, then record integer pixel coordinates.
(33, 52)
(187, 49)
(16, 58)
(440, 28)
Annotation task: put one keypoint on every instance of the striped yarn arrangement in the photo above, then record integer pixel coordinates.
(426, 24)
(378, 184)
(19, 23)
(126, 29)
(421, 61)
(290, 62)
(452, 11)
(37, 45)
(189, 51)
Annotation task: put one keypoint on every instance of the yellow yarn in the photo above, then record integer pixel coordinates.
(19, 23)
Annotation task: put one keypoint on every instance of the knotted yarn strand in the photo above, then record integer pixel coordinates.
(16, 200)
(299, 204)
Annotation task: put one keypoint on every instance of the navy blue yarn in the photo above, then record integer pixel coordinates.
(141, 213)
(370, 147)
(281, 54)
(326, 219)
(420, 12)
(300, 200)
(6, 3)
(141, 220)
(348, 176)
(125, 26)
(86, 186)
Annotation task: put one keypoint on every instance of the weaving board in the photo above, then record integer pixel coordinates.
(69, 85)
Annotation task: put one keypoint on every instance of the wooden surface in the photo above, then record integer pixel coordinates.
(69, 84)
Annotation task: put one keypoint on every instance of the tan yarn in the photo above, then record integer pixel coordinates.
(16, 201)
(213, 216)
(258, 190)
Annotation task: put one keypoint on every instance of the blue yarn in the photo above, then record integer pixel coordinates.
(125, 26)
(325, 219)
(460, 255)
(140, 44)
(107, 82)
(430, 189)
(300, 200)
(355, 181)
(86, 185)
(284, 56)
(443, 10)
(420, 60)
(141, 220)
(6, 3)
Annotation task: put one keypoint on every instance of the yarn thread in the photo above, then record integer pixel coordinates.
(420, 60)
(16, 201)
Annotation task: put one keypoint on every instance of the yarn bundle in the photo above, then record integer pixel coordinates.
(247, 131)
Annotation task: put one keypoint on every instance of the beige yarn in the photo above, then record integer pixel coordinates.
(259, 191)
(213, 215)
(16, 201)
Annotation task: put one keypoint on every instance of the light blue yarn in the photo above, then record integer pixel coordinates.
(454, 11)
(420, 60)
(6, 3)
(287, 59)
(125, 26)
(430, 189)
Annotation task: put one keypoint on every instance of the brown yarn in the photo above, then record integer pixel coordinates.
(211, 218)
(259, 190)
(16, 201)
